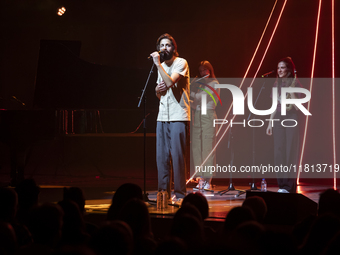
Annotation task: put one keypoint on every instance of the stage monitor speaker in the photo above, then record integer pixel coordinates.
(286, 208)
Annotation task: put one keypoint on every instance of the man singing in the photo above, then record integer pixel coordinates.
(174, 115)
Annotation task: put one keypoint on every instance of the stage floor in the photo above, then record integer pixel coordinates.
(99, 191)
(100, 163)
(98, 199)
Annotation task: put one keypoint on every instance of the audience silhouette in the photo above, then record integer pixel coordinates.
(27, 227)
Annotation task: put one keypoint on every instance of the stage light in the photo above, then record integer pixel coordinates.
(333, 94)
(299, 190)
(310, 89)
(226, 130)
(277, 22)
(251, 62)
(270, 40)
(61, 11)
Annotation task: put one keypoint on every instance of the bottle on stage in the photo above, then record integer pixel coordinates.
(164, 200)
(201, 184)
(159, 200)
(263, 185)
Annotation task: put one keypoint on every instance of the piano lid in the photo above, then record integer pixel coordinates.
(65, 81)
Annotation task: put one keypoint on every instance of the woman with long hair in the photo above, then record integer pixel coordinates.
(203, 132)
(286, 139)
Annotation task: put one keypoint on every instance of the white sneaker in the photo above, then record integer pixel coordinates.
(283, 191)
(176, 201)
(179, 201)
(204, 186)
(207, 186)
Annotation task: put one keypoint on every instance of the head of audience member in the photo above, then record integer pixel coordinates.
(188, 209)
(199, 201)
(248, 233)
(329, 202)
(73, 230)
(8, 214)
(136, 215)
(45, 224)
(189, 228)
(236, 217)
(257, 205)
(323, 230)
(333, 247)
(177, 245)
(8, 240)
(76, 195)
(250, 230)
(113, 237)
(10, 204)
(123, 194)
(205, 68)
(28, 193)
(302, 228)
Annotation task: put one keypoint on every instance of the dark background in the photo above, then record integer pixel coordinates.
(117, 37)
(121, 34)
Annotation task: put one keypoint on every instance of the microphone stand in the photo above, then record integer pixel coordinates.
(142, 97)
(231, 185)
(253, 184)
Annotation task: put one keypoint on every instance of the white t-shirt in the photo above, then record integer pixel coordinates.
(175, 104)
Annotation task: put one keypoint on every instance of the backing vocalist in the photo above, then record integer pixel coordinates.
(286, 139)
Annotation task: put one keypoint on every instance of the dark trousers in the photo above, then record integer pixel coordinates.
(171, 140)
(286, 150)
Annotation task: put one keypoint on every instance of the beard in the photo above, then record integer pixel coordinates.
(167, 55)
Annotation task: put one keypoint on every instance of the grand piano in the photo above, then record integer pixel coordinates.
(73, 96)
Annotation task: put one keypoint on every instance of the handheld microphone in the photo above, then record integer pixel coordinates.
(161, 53)
(266, 74)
